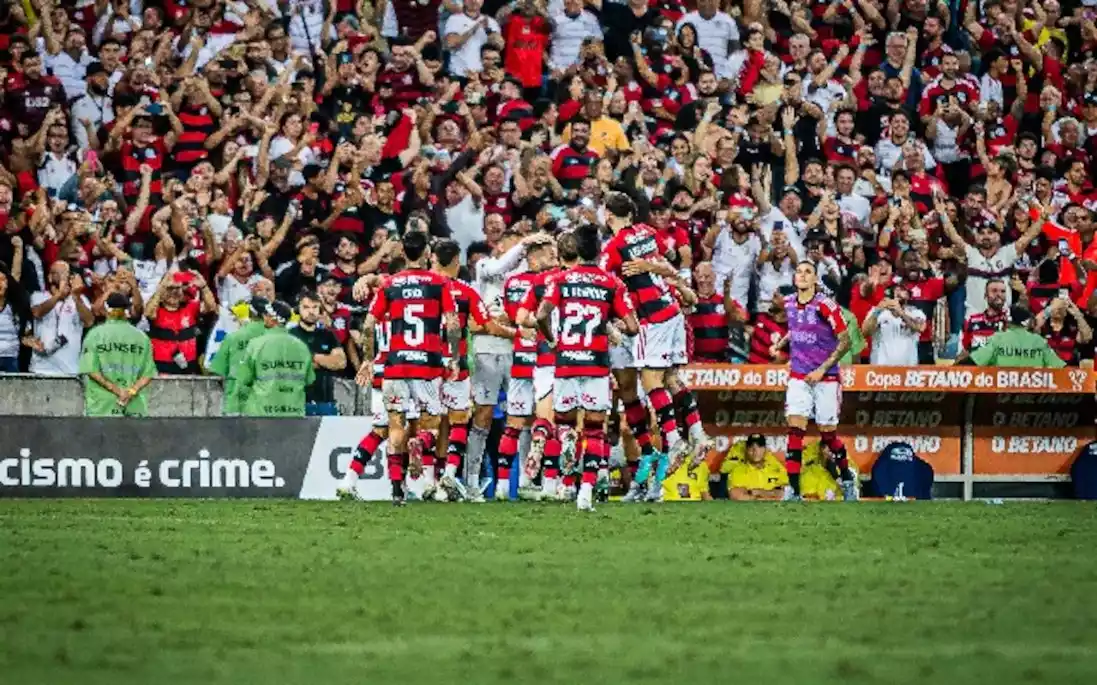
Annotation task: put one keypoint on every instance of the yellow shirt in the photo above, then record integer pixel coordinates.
(771, 475)
(605, 134)
(1047, 34)
(684, 486)
(815, 480)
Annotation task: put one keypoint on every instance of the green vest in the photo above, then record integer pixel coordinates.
(1017, 347)
(123, 355)
(228, 360)
(276, 370)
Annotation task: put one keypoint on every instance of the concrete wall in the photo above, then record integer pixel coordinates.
(172, 396)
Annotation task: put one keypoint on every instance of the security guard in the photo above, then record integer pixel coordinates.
(230, 356)
(276, 370)
(117, 363)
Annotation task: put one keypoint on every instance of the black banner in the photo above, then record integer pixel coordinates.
(81, 457)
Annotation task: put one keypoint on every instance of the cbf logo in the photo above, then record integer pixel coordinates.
(339, 461)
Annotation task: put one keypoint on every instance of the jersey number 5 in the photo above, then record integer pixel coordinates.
(414, 330)
(580, 322)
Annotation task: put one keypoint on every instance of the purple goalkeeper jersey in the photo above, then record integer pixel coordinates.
(813, 330)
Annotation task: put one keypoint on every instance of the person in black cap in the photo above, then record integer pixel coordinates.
(116, 361)
(95, 108)
(276, 370)
(229, 357)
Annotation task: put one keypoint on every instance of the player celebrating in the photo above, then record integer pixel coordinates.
(418, 304)
(547, 442)
(456, 394)
(817, 339)
(521, 391)
(636, 253)
(587, 298)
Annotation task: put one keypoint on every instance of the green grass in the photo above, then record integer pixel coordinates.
(295, 592)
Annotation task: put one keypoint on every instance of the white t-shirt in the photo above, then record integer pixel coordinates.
(981, 269)
(770, 279)
(466, 223)
(62, 320)
(858, 206)
(895, 343)
(713, 36)
(9, 334)
(568, 34)
(467, 57)
(735, 261)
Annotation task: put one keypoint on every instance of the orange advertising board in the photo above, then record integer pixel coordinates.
(1025, 421)
(870, 421)
(949, 379)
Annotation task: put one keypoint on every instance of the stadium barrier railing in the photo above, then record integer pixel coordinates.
(973, 425)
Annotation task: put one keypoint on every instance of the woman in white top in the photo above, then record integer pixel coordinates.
(293, 143)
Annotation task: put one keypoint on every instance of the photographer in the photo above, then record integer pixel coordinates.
(894, 326)
(174, 314)
(60, 317)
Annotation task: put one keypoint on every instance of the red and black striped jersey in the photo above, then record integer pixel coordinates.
(516, 109)
(545, 355)
(587, 298)
(382, 333)
(133, 157)
(767, 333)
(515, 289)
(406, 87)
(709, 322)
(501, 204)
(571, 166)
(1063, 341)
(414, 302)
(469, 304)
(980, 326)
(198, 126)
(650, 293)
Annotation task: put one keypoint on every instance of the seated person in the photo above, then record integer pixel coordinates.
(758, 475)
(816, 478)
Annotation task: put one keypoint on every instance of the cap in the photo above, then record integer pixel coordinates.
(118, 301)
(756, 440)
(513, 80)
(259, 306)
(1090, 99)
(281, 311)
(1019, 315)
(94, 68)
(658, 204)
(795, 190)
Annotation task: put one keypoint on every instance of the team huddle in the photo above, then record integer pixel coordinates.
(578, 335)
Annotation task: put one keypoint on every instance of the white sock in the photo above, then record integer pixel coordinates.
(350, 478)
(428, 474)
(548, 485)
(697, 432)
(451, 470)
(586, 490)
(673, 439)
(523, 480)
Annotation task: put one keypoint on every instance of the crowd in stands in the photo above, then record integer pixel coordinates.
(933, 159)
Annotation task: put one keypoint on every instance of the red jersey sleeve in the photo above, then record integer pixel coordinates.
(449, 305)
(477, 310)
(622, 303)
(529, 302)
(552, 294)
(611, 256)
(380, 304)
(833, 315)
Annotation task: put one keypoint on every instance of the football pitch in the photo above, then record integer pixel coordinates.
(121, 592)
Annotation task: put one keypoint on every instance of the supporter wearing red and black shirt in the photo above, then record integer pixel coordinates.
(142, 147)
(174, 314)
(33, 93)
(416, 17)
(712, 317)
(925, 292)
(1065, 328)
(981, 325)
(512, 106)
(573, 161)
(768, 331)
(199, 123)
(405, 75)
